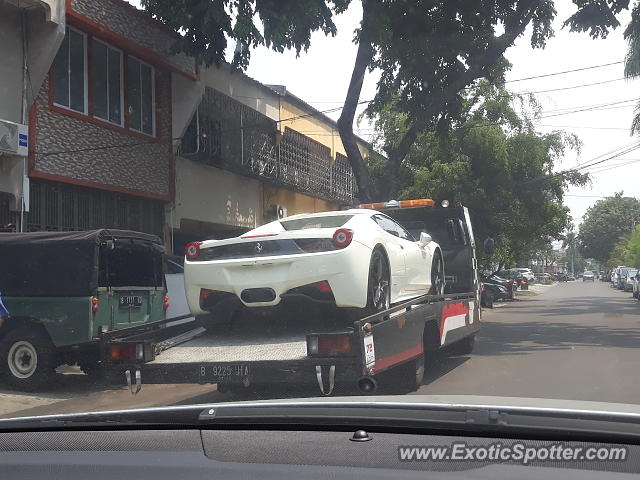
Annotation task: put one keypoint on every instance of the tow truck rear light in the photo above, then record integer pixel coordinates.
(124, 352)
(329, 344)
(192, 250)
(342, 237)
(418, 202)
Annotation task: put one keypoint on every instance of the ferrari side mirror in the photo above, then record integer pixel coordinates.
(425, 239)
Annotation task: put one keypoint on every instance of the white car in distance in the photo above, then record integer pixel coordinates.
(353, 258)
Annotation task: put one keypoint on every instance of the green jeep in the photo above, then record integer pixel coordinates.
(63, 290)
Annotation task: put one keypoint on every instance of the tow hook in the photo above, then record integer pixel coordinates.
(138, 386)
(332, 372)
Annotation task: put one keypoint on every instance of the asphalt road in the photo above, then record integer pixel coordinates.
(576, 340)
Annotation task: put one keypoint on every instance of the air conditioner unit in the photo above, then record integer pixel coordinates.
(14, 138)
(275, 212)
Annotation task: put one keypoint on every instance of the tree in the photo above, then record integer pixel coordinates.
(633, 249)
(495, 163)
(207, 26)
(605, 223)
(632, 61)
(570, 243)
(428, 52)
(620, 252)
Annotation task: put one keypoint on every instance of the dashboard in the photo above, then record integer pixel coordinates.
(263, 453)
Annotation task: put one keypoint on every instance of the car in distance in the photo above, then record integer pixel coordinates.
(636, 285)
(629, 279)
(526, 273)
(588, 276)
(621, 278)
(357, 258)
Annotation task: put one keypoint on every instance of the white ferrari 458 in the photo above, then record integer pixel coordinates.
(352, 258)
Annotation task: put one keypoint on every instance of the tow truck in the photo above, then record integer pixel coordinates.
(389, 348)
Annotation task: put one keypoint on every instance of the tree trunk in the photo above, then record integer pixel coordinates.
(345, 122)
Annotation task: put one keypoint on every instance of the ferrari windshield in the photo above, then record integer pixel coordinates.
(320, 221)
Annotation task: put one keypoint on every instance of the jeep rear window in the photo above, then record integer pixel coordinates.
(130, 267)
(325, 221)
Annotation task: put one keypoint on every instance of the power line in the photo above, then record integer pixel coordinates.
(582, 85)
(590, 163)
(565, 71)
(585, 196)
(583, 126)
(605, 168)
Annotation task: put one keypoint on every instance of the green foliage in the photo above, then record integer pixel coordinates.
(633, 249)
(632, 61)
(497, 165)
(206, 26)
(604, 224)
(427, 52)
(626, 251)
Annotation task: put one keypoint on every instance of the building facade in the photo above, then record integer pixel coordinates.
(102, 125)
(31, 32)
(125, 134)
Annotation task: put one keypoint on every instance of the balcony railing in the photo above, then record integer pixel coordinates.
(227, 134)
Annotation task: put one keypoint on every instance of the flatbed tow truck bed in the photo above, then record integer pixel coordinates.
(280, 350)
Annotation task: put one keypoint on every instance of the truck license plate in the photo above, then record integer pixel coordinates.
(130, 301)
(215, 373)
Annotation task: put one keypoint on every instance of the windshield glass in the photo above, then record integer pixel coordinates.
(277, 199)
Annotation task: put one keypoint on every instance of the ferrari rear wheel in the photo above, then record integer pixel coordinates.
(437, 275)
(379, 285)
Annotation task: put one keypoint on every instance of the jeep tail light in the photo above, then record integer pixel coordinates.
(192, 250)
(94, 304)
(342, 237)
(165, 305)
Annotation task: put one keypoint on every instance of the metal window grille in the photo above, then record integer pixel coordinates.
(66, 207)
(343, 181)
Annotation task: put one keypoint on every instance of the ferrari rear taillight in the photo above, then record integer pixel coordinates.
(323, 286)
(342, 237)
(192, 250)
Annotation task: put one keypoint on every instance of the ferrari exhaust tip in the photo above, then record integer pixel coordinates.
(367, 385)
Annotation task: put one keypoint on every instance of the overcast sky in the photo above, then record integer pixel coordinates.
(321, 76)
